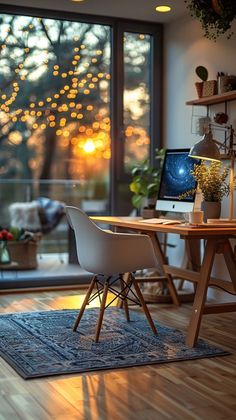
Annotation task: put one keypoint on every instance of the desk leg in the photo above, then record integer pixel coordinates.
(161, 258)
(192, 257)
(201, 293)
(230, 262)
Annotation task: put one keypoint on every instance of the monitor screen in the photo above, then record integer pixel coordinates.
(175, 180)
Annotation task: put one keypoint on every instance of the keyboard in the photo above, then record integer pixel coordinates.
(162, 221)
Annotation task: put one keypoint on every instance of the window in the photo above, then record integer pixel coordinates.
(136, 98)
(55, 112)
(76, 106)
(136, 104)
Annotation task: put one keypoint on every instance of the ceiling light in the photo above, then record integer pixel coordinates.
(77, 1)
(163, 9)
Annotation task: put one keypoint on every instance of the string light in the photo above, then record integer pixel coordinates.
(43, 108)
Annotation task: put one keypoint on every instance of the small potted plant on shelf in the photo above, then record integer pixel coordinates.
(211, 180)
(145, 184)
(215, 16)
(202, 73)
(205, 87)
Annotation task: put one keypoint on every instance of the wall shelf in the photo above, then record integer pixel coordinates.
(215, 99)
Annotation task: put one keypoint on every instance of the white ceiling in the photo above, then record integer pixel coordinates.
(130, 9)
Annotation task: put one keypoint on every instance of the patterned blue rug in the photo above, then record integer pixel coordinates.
(38, 344)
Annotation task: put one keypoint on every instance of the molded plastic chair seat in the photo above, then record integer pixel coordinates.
(111, 254)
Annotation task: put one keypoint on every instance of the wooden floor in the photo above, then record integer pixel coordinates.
(199, 389)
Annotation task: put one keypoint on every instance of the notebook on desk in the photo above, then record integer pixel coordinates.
(161, 221)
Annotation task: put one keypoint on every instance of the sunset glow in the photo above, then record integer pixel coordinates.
(89, 146)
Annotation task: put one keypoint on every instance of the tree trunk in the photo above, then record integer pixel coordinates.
(49, 152)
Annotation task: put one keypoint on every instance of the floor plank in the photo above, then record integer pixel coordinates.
(198, 389)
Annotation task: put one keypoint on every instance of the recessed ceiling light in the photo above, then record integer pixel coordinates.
(77, 1)
(163, 9)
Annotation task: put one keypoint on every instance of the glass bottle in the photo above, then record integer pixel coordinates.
(4, 253)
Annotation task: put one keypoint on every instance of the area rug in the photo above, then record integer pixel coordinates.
(38, 344)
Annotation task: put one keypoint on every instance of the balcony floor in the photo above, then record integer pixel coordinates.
(53, 270)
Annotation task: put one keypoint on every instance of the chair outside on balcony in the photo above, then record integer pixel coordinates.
(40, 215)
(112, 258)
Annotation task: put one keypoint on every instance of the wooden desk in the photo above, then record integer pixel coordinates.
(216, 241)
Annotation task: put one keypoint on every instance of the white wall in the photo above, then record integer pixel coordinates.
(184, 49)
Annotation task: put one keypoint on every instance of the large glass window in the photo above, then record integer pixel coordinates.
(54, 106)
(76, 105)
(136, 98)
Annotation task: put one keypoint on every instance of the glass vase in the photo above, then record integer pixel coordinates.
(4, 253)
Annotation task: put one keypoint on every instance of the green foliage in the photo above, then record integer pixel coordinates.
(20, 234)
(211, 179)
(17, 233)
(216, 16)
(146, 179)
(202, 73)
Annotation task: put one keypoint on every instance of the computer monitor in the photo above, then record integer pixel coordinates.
(175, 180)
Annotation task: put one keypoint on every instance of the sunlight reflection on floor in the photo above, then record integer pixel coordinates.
(24, 302)
(75, 302)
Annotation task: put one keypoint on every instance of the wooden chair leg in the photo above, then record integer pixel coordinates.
(144, 306)
(181, 285)
(101, 312)
(120, 302)
(125, 301)
(85, 302)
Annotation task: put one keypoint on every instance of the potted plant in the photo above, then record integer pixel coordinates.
(211, 180)
(205, 87)
(23, 247)
(145, 183)
(202, 73)
(215, 16)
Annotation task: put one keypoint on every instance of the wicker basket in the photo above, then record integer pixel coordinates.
(24, 253)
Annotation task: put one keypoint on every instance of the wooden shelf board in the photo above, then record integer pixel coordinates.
(215, 99)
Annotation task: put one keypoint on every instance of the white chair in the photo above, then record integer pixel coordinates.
(111, 257)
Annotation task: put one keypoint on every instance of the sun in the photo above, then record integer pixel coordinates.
(89, 146)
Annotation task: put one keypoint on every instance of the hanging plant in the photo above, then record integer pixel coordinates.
(215, 16)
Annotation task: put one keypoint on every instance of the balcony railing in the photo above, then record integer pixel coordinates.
(91, 196)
